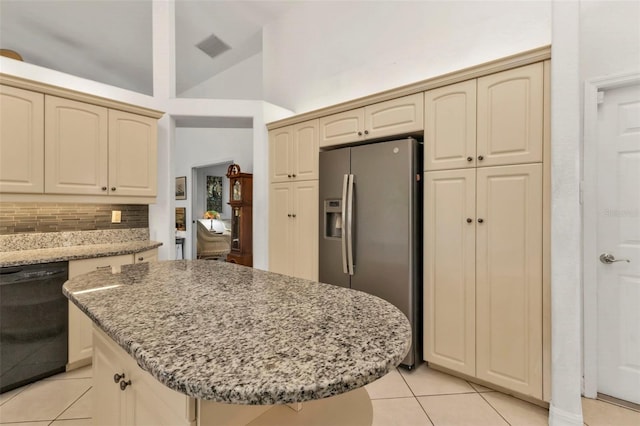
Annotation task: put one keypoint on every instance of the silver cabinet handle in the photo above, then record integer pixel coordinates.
(609, 258)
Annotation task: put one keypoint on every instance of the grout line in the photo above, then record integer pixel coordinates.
(71, 405)
(494, 408)
(391, 397)
(21, 389)
(415, 397)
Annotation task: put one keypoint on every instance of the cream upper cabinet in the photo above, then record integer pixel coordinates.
(133, 156)
(293, 152)
(449, 269)
(21, 140)
(510, 116)
(450, 127)
(76, 147)
(341, 128)
(93, 150)
(395, 117)
(509, 277)
(293, 229)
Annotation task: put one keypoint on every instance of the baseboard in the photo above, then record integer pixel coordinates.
(559, 417)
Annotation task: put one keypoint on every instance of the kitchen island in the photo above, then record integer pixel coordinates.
(225, 336)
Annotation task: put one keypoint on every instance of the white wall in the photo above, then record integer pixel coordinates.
(242, 81)
(323, 53)
(198, 147)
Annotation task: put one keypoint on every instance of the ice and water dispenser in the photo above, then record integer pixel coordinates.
(333, 219)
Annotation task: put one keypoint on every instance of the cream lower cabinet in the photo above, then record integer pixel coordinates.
(93, 150)
(135, 398)
(21, 141)
(293, 229)
(483, 274)
(80, 344)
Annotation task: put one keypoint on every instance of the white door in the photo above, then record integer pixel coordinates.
(618, 238)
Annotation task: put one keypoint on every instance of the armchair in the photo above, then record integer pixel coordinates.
(212, 244)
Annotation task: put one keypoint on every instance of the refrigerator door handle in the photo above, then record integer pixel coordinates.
(345, 189)
(350, 225)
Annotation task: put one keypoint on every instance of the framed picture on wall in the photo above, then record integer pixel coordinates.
(181, 188)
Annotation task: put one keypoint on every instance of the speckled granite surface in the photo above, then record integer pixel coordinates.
(228, 333)
(33, 248)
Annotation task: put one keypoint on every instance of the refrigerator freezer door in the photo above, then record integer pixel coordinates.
(385, 227)
(334, 165)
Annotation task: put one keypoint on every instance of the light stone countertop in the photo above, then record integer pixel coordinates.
(34, 248)
(60, 254)
(228, 333)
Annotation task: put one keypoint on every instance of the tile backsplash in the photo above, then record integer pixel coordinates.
(18, 218)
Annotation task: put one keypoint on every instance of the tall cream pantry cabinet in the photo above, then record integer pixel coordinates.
(484, 228)
(293, 200)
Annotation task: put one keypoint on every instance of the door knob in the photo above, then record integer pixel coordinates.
(609, 258)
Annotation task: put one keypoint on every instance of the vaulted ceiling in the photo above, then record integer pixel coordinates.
(110, 41)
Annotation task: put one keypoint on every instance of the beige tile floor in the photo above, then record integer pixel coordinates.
(401, 398)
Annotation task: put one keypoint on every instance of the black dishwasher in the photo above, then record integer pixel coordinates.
(33, 323)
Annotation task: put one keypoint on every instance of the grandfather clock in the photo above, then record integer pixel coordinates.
(240, 200)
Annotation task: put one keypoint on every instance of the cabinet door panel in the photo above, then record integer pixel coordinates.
(510, 116)
(21, 140)
(450, 127)
(509, 277)
(280, 237)
(305, 150)
(449, 269)
(80, 333)
(342, 128)
(280, 161)
(395, 117)
(304, 253)
(76, 147)
(107, 396)
(133, 153)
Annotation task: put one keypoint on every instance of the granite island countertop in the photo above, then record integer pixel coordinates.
(223, 332)
(30, 249)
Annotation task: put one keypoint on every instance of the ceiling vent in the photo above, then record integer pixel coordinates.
(213, 46)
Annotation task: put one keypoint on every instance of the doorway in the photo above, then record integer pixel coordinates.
(203, 197)
(611, 219)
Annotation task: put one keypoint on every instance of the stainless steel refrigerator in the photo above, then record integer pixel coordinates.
(371, 225)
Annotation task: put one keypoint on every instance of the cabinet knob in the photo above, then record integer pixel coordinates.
(480, 157)
(366, 132)
(293, 215)
(123, 384)
(289, 215)
(113, 188)
(480, 220)
(293, 175)
(117, 377)
(140, 259)
(104, 188)
(359, 133)
(469, 158)
(469, 220)
(288, 176)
